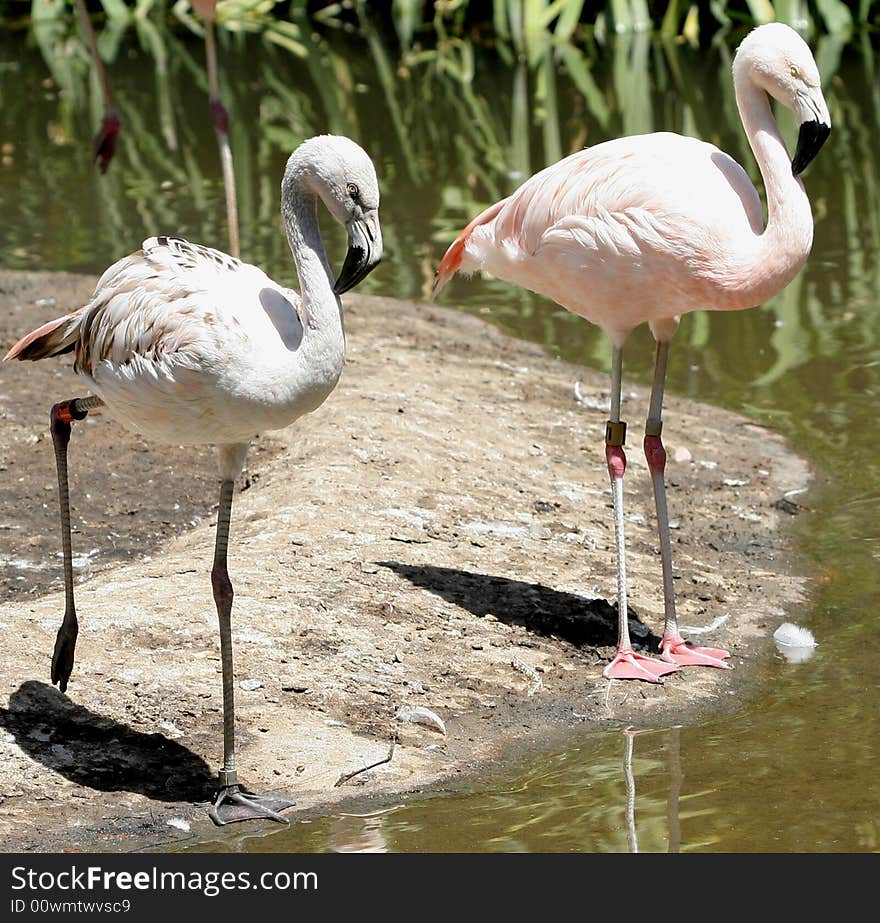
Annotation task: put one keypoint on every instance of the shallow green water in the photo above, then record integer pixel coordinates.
(793, 769)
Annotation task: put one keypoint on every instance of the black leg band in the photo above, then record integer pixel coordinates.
(615, 432)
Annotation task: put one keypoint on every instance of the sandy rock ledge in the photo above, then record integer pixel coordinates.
(439, 534)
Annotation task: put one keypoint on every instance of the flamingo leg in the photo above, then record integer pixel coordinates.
(627, 664)
(220, 118)
(673, 647)
(104, 145)
(232, 801)
(62, 416)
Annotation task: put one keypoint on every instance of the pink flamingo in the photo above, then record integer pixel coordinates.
(647, 228)
(104, 145)
(207, 9)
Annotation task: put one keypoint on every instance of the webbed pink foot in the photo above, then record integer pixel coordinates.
(630, 665)
(678, 651)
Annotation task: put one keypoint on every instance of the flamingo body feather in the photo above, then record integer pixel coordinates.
(607, 234)
(188, 345)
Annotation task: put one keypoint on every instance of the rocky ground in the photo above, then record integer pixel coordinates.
(438, 535)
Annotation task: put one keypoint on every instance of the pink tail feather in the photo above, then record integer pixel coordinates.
(451, 261)
(53, 338)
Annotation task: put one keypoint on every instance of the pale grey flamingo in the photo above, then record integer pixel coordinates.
(187, 345)
(647, 228)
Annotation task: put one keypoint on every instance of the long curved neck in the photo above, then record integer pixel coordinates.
(785, 243)
(320, 305)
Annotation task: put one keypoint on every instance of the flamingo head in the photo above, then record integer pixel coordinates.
(780, 62)
(342, 175)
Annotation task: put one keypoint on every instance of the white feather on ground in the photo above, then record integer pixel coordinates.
(531, 672)
(715, 623)
(421, 715)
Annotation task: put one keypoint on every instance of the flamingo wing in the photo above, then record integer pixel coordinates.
(150, 304)
(592, 229)
(155, 304)
(452, 259)
(621, 195)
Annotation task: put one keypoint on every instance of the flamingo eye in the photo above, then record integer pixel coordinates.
(794, 71)
(353, 191)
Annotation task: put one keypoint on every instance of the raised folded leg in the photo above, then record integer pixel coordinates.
(62, 416)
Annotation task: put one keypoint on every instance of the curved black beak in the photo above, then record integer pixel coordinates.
(811, 137)
(364, 251)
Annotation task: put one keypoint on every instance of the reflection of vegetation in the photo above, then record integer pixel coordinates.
(522, 24)
(454, 125)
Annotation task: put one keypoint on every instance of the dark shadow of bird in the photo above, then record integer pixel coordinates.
(98, 752)
(579, 620)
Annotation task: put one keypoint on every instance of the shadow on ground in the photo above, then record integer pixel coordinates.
(101, 753)
(579, 620)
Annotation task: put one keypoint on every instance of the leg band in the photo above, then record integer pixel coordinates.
(227, 777)
(615, 433)
(68, 411)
